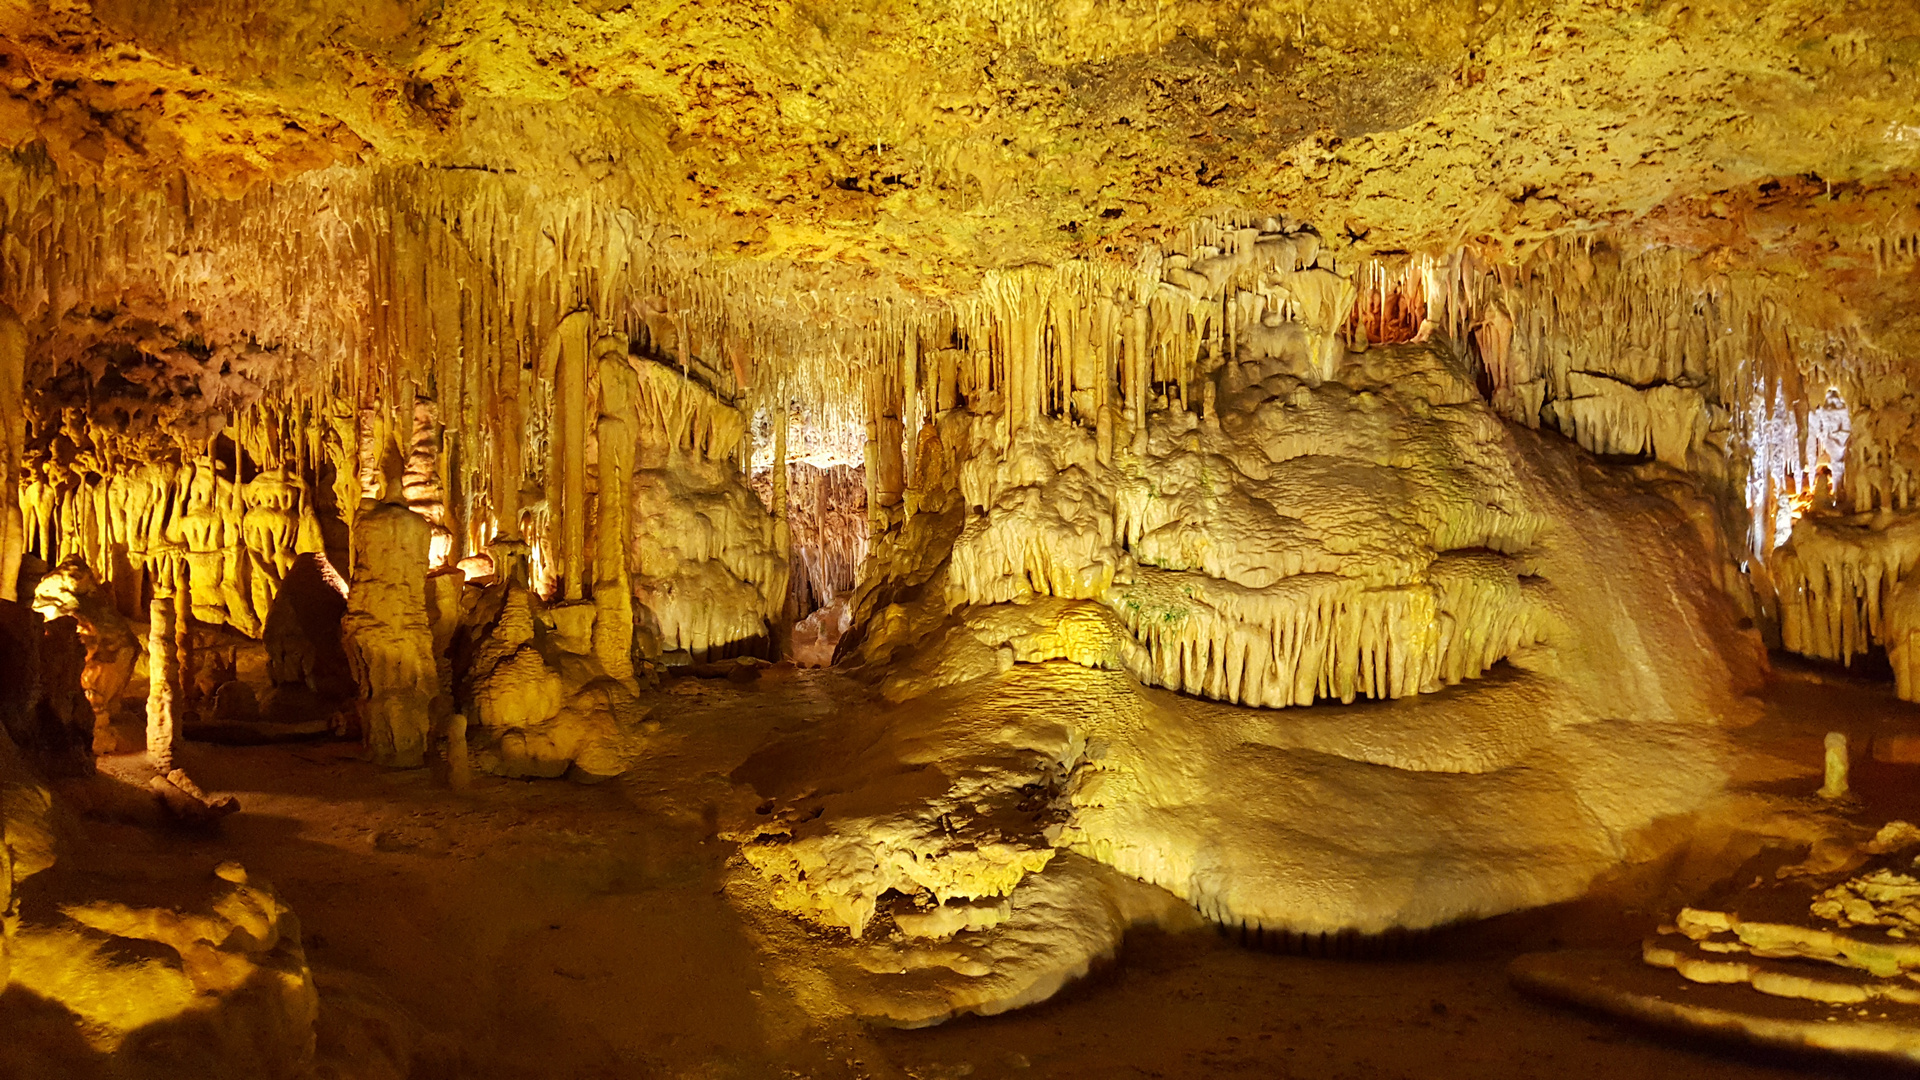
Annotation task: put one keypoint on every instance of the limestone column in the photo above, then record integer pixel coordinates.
(910, 413)
(568, 356)
(783, 533)
(1105, 334)
(182, 634)
(163, 672)
(612, 594)
(13, 369)
(388, 636)
(1139, 375)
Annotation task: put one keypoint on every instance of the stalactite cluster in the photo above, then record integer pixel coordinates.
(464, 332)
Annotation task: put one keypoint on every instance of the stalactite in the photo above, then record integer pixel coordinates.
(450, 287)
(1837, 580)
(1901, 621)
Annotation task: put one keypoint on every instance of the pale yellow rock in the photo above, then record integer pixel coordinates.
(612, 590)
(245, 940)
(1902, 637)
(164, 689)
(1835, 766)
(388, 636)
(13, 367)
(113, 652)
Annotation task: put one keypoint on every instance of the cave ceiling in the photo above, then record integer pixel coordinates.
(922, 141)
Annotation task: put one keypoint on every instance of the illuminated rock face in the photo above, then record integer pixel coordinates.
(1365, 537)
(1327, 527)
(113, 652)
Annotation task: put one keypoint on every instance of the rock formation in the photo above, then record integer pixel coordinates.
(1324, 471)
(388, 638)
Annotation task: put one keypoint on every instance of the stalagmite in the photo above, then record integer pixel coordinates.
(567, 362)
(459, 764)
(13, 366)
(386, 628)
(612, 592)
(163, 679)
(1835, 767)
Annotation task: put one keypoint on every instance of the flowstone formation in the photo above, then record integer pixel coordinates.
(1323, 526)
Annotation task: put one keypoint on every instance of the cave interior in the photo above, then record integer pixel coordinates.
(912, 539)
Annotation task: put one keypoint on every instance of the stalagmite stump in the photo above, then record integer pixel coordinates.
(459, 765)
(1836, 767)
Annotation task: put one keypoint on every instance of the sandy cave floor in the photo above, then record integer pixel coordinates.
(542, 929)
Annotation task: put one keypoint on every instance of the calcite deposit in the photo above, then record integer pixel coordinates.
(966, 484)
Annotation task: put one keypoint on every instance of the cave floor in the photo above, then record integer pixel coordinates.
(544, 929)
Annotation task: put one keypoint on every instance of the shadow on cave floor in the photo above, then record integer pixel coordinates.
(544, 929)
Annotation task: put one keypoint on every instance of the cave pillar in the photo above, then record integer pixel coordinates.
(782, 533)
(910, 415)
(1104, 332)
(567, 354)
(1137, 376)
(612, 593)
(387, 632)
(182, 578)
(425, 479)
(13, 369)
(163, 672)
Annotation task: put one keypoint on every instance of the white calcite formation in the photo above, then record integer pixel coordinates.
(1293, 525)
(1840, 584)
(1314, 539)
(708, 573)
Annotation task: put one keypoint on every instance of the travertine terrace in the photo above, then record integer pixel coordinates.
(578, 538)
